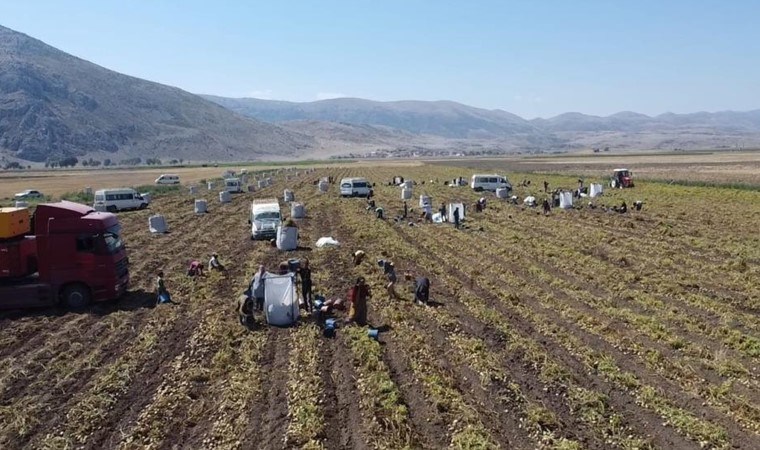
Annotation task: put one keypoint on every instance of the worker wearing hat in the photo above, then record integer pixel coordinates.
(213, 263)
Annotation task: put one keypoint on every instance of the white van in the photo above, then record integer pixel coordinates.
(113, 200)
(489, 182)
(233, 185)
(354, 187)
(167, 179)
(265, 218)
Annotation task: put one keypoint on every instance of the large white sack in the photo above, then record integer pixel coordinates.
(323, 186)
(280, 299)
(502, 193)
(157, 224)
(408, 184)
(200, 206)
(287, 238)
(565, 199)
(210, 185)
(225, 197)
(595, 190)
(530, 201)
(406, 194)
(297, 211)
(450, 211)
(425, 199)
(288, 195)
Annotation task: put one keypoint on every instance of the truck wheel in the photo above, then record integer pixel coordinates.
(478, 189)
(111, 209)
(76, 296)
(143, 205)
(613, 184)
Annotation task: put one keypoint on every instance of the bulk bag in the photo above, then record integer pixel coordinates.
(280, 299)
(261, 184)
(450, 211)
(297, 211)
(565, 199)
(225, 197)
(287, 238)
(288, 195)
(192, 190)
(157, 224)
(595, 190)
(210, 185)
(323, 186)
(407, 184)
(21, 204)
(502, 193)
(200, 206)
(425, 199)
(406, 194)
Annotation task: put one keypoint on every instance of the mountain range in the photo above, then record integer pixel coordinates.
(54, 105)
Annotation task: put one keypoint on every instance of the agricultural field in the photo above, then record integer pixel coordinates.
(577, 329)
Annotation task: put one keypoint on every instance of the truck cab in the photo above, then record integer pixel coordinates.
(76, 256)
(265, 218)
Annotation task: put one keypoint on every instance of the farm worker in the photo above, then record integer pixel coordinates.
(358, 296)
(304, 271)
(623, 208)
(196, 268)
(389, 270)
(214, 264)
(359, 257)
(547, 207)
(482, 203)
(422, 291)
(379, 213)
(442, 211)
(546, 186)
(406, 209)
(283, 268)
(427, 212)
(245, 310)
(456, 217)
(162, 294)
(370, 205)
(256, 288)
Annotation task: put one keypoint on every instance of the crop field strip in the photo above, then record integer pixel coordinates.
(553, 332)
(535, 411)
(437, 240)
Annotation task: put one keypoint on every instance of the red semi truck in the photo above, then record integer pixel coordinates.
(69, 254)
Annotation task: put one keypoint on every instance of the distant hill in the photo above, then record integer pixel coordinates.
(441, 118)
(53, 104)
(506, 131)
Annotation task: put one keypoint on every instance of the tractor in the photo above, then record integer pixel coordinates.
(621, 178)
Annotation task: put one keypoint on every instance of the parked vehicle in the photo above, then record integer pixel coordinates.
(489, 182)
(66, 254)
(233, 185)
(621, 178)
(354, 187)
(265, 218)
(113, 200)
(167, 179)
(28, 194)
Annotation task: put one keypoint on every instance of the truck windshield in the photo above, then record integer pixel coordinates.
(113, 239)
(268, 215)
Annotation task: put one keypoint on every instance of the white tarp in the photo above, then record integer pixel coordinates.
(280, 299)
(595, 190)
(157, 224)
(565, 199)
(327, 241)
(287, 238)
(450, 211)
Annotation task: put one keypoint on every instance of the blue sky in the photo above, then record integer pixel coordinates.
(532, 58)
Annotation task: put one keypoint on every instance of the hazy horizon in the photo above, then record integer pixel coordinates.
(537, 60)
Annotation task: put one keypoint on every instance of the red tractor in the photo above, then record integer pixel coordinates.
(621, 178)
